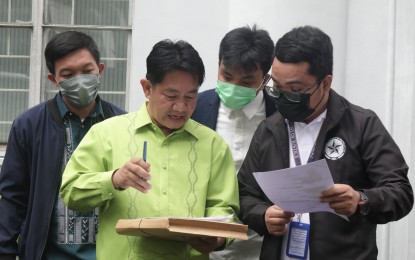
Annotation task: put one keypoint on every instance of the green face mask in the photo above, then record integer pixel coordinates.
(234, 96)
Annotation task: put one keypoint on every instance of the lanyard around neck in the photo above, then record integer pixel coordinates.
(294, 145)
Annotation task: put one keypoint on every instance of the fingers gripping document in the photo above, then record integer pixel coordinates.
(298, 189)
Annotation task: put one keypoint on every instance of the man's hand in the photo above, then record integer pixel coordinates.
(342, 198)
(277, 220)
(134, 173)
(206, 244)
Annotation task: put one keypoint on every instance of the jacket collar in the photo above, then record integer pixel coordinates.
(270, 106)
(53, 108)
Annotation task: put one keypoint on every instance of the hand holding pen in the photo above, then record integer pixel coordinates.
(134, 173)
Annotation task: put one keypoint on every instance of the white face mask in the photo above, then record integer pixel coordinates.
(80, 90)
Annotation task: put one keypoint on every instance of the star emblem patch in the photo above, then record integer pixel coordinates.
(335, 148)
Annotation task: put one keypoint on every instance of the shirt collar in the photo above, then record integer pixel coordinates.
(316, 120)
(319, 119)
(252, 108)
(63, 109)
(143, 119)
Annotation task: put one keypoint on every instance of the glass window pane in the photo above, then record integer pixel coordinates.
(99, 12)
(113, 77)
(117, 99)
(11, 105)
(58, 12)
(113, 49)
(14, 76)
(4, 11)
(20, 41)
(87, 12)
(4, 41)
(21, 10)
(111, 44)
(15, 41)
(14, 73)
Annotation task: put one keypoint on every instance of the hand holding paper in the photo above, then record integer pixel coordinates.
(342, 198)
(277, 220)
(298, 189)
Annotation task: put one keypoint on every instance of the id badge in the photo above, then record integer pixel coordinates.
(297, 244)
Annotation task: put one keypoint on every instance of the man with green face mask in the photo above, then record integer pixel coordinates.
(237, 105)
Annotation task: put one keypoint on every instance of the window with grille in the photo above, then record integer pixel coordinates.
(26, 26)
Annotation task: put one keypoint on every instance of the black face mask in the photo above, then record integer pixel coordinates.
(295, 112)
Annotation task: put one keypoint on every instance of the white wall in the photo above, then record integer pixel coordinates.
(201, 23)
(204, 23)
(374, 60)
(279, 17)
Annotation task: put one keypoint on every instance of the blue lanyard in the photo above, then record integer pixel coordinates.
(294, 146)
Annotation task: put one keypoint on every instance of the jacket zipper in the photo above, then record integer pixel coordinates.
(59, 179)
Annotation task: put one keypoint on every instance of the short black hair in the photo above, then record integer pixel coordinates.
(309, 44)
(167, 56)
(246, 48)
(67, 42)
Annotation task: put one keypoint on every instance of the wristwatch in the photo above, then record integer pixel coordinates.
(364, 204)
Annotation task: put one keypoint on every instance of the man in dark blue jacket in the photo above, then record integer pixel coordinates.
(237, 105)
(34, 222)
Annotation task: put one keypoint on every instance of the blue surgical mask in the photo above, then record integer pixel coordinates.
(81, 90)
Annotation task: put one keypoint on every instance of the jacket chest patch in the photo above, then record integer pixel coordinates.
(335, 148)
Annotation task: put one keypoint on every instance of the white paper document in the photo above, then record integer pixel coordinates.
(217, 219)
(298, 189)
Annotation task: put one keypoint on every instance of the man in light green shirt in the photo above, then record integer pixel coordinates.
(188, 171)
